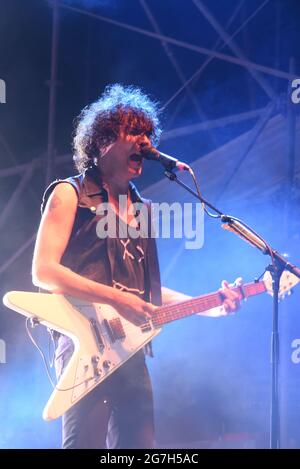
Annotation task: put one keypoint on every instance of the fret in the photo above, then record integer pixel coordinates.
(172, 312)
(256, 288)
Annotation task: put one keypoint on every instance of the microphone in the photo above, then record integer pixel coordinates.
(150, 153)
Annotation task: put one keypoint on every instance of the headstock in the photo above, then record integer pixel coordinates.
(287, 282)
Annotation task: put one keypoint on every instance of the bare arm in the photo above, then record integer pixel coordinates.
(172, 296)
(48, 272)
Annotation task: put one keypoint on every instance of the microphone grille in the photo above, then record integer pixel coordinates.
(150, 153)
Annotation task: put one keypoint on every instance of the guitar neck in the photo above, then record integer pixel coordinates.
(200, 304)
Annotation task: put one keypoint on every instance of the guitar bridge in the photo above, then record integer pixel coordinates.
(95, 330)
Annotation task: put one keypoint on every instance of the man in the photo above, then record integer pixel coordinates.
(71, 259)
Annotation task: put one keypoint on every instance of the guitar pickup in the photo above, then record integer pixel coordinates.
(114, 329)
(96, 332)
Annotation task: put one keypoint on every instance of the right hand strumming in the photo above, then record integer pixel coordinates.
(133, 308)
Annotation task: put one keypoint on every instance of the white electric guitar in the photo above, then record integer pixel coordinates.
(103, 339)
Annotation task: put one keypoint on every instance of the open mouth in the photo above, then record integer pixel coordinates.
(136, 158)
(135, 162)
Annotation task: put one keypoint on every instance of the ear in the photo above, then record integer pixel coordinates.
(103, 151)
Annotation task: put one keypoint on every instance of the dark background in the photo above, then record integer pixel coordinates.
(91, 53)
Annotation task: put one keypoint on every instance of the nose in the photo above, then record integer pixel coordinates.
(144, 142)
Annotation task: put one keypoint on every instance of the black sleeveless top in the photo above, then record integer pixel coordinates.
(128, 270)
(125, 263)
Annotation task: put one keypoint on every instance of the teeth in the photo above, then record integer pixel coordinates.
(135, 157)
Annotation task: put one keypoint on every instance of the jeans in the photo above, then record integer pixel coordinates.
(118, 413)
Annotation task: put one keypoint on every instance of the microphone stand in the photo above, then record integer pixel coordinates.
(278, 265)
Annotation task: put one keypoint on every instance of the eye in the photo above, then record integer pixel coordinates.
(134, 132)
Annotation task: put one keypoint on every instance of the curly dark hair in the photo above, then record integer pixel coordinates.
(119, 108)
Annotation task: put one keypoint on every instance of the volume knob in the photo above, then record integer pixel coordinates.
(106, 364)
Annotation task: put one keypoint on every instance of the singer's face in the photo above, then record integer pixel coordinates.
(125, 157)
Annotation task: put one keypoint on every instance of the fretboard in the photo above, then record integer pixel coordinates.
(200, 304)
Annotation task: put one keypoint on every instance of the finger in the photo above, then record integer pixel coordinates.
(149, 310)
(234, 295)
(225, 284)
(138, 321)
(238, 282)
(139, 317)
(230, 305)
(230, 294)
(143, 320)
